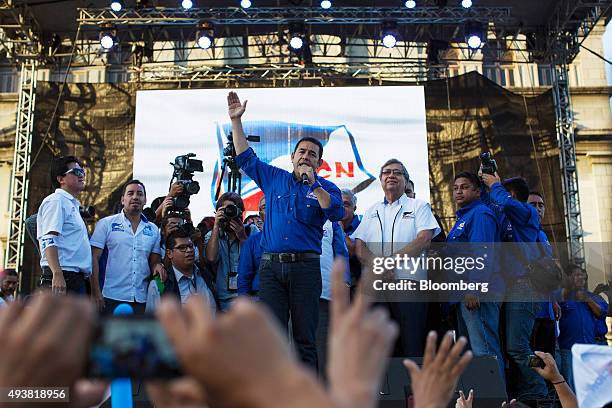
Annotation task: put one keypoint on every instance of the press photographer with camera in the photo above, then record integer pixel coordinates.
(133, 253)
(61, 232)
(520, 225)
(223, 245)
(298, 204)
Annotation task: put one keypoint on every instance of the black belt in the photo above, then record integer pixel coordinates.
(289, 257)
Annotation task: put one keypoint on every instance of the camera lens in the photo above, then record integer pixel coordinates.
(231, 211)
(193, 187)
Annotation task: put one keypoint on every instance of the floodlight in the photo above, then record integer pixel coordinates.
(116, 5)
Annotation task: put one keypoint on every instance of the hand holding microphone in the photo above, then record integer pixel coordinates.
(307, 175)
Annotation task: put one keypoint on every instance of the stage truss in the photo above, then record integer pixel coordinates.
(558, 45)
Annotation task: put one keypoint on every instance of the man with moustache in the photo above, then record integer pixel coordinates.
(133, 253)
(61, 232)
(298, 204)
(399, 225)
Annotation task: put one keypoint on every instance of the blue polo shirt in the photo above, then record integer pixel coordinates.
(519, 223)
(578, 324)
(294, 218)
(248, 266)
(477, 223)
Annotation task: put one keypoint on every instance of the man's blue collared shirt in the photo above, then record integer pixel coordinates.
(477, 223)
(294, 218)
(248, 267)
(519, 223)
(578, 323)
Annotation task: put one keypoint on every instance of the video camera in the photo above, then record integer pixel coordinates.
(234, 177)
(489, 166)
(184, 168)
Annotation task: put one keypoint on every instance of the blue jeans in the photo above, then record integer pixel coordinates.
(520, 315)
(294, 288)
(566, 369)
(481, 327)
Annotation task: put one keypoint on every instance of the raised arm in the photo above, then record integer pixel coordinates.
(236, 109)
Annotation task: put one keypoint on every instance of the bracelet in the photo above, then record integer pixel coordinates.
(557, 383)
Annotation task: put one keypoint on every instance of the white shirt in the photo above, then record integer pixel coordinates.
(188, 286)
(59, 212)
(127, 268)
(386, 228)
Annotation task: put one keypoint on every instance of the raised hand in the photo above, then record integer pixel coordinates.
(235, 108)
(434, 383)
(360, 341)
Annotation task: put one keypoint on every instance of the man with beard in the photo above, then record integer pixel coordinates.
(133, 253)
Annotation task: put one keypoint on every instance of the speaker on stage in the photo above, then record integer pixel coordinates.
(482, 376)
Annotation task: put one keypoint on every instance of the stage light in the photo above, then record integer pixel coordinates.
(326, 4)
(107, 39)
(410, 4)
(475, 35)
(205, 35)
(186, 4)
(389, 41)
(116, 5)
(245, 3)
(296, 43)
(389, 34)
(466, 3)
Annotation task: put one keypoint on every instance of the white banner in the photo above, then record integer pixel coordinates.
(360, 128)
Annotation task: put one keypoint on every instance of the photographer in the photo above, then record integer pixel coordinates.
(185, 277)
(173, 220)
(580, 311)
(223, 246)
(61, 232)
(176, 189)
(133, 253)
(520, 225)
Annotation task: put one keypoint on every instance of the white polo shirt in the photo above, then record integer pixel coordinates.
(127, 268)
(386, 228)
(59, 212)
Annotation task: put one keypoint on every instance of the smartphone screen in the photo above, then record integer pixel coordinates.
(535, 361)
(131, 347)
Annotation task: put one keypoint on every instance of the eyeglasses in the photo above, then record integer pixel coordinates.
(77, 171)
(184, 248)
(394, 171)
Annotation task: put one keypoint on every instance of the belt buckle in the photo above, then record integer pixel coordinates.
(286, 257)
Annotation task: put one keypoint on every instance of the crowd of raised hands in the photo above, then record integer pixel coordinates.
(239, 359)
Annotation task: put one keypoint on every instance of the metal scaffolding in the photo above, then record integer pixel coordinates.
(18, 198)
(160, 16)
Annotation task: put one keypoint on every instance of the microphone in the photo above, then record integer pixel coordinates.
(305, 180)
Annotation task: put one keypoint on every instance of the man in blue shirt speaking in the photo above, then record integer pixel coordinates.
(298, 204)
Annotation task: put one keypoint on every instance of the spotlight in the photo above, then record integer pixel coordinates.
(245, 3)
(297, 33)
(466, 3)
(107, 38)
(410, 4)
(187, 4)
(296, 43)
(116, 5)
(475, 35)
(205, 36)
(389, 41)
(389, 34)
(326, 4)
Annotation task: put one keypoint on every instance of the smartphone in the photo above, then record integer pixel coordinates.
(535, 361)
(131, 346)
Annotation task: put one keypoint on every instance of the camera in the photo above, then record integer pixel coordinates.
(230, 212)
(184, 169)
(87, 212)
(184, 224)
(489, 166)
(535, 361)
